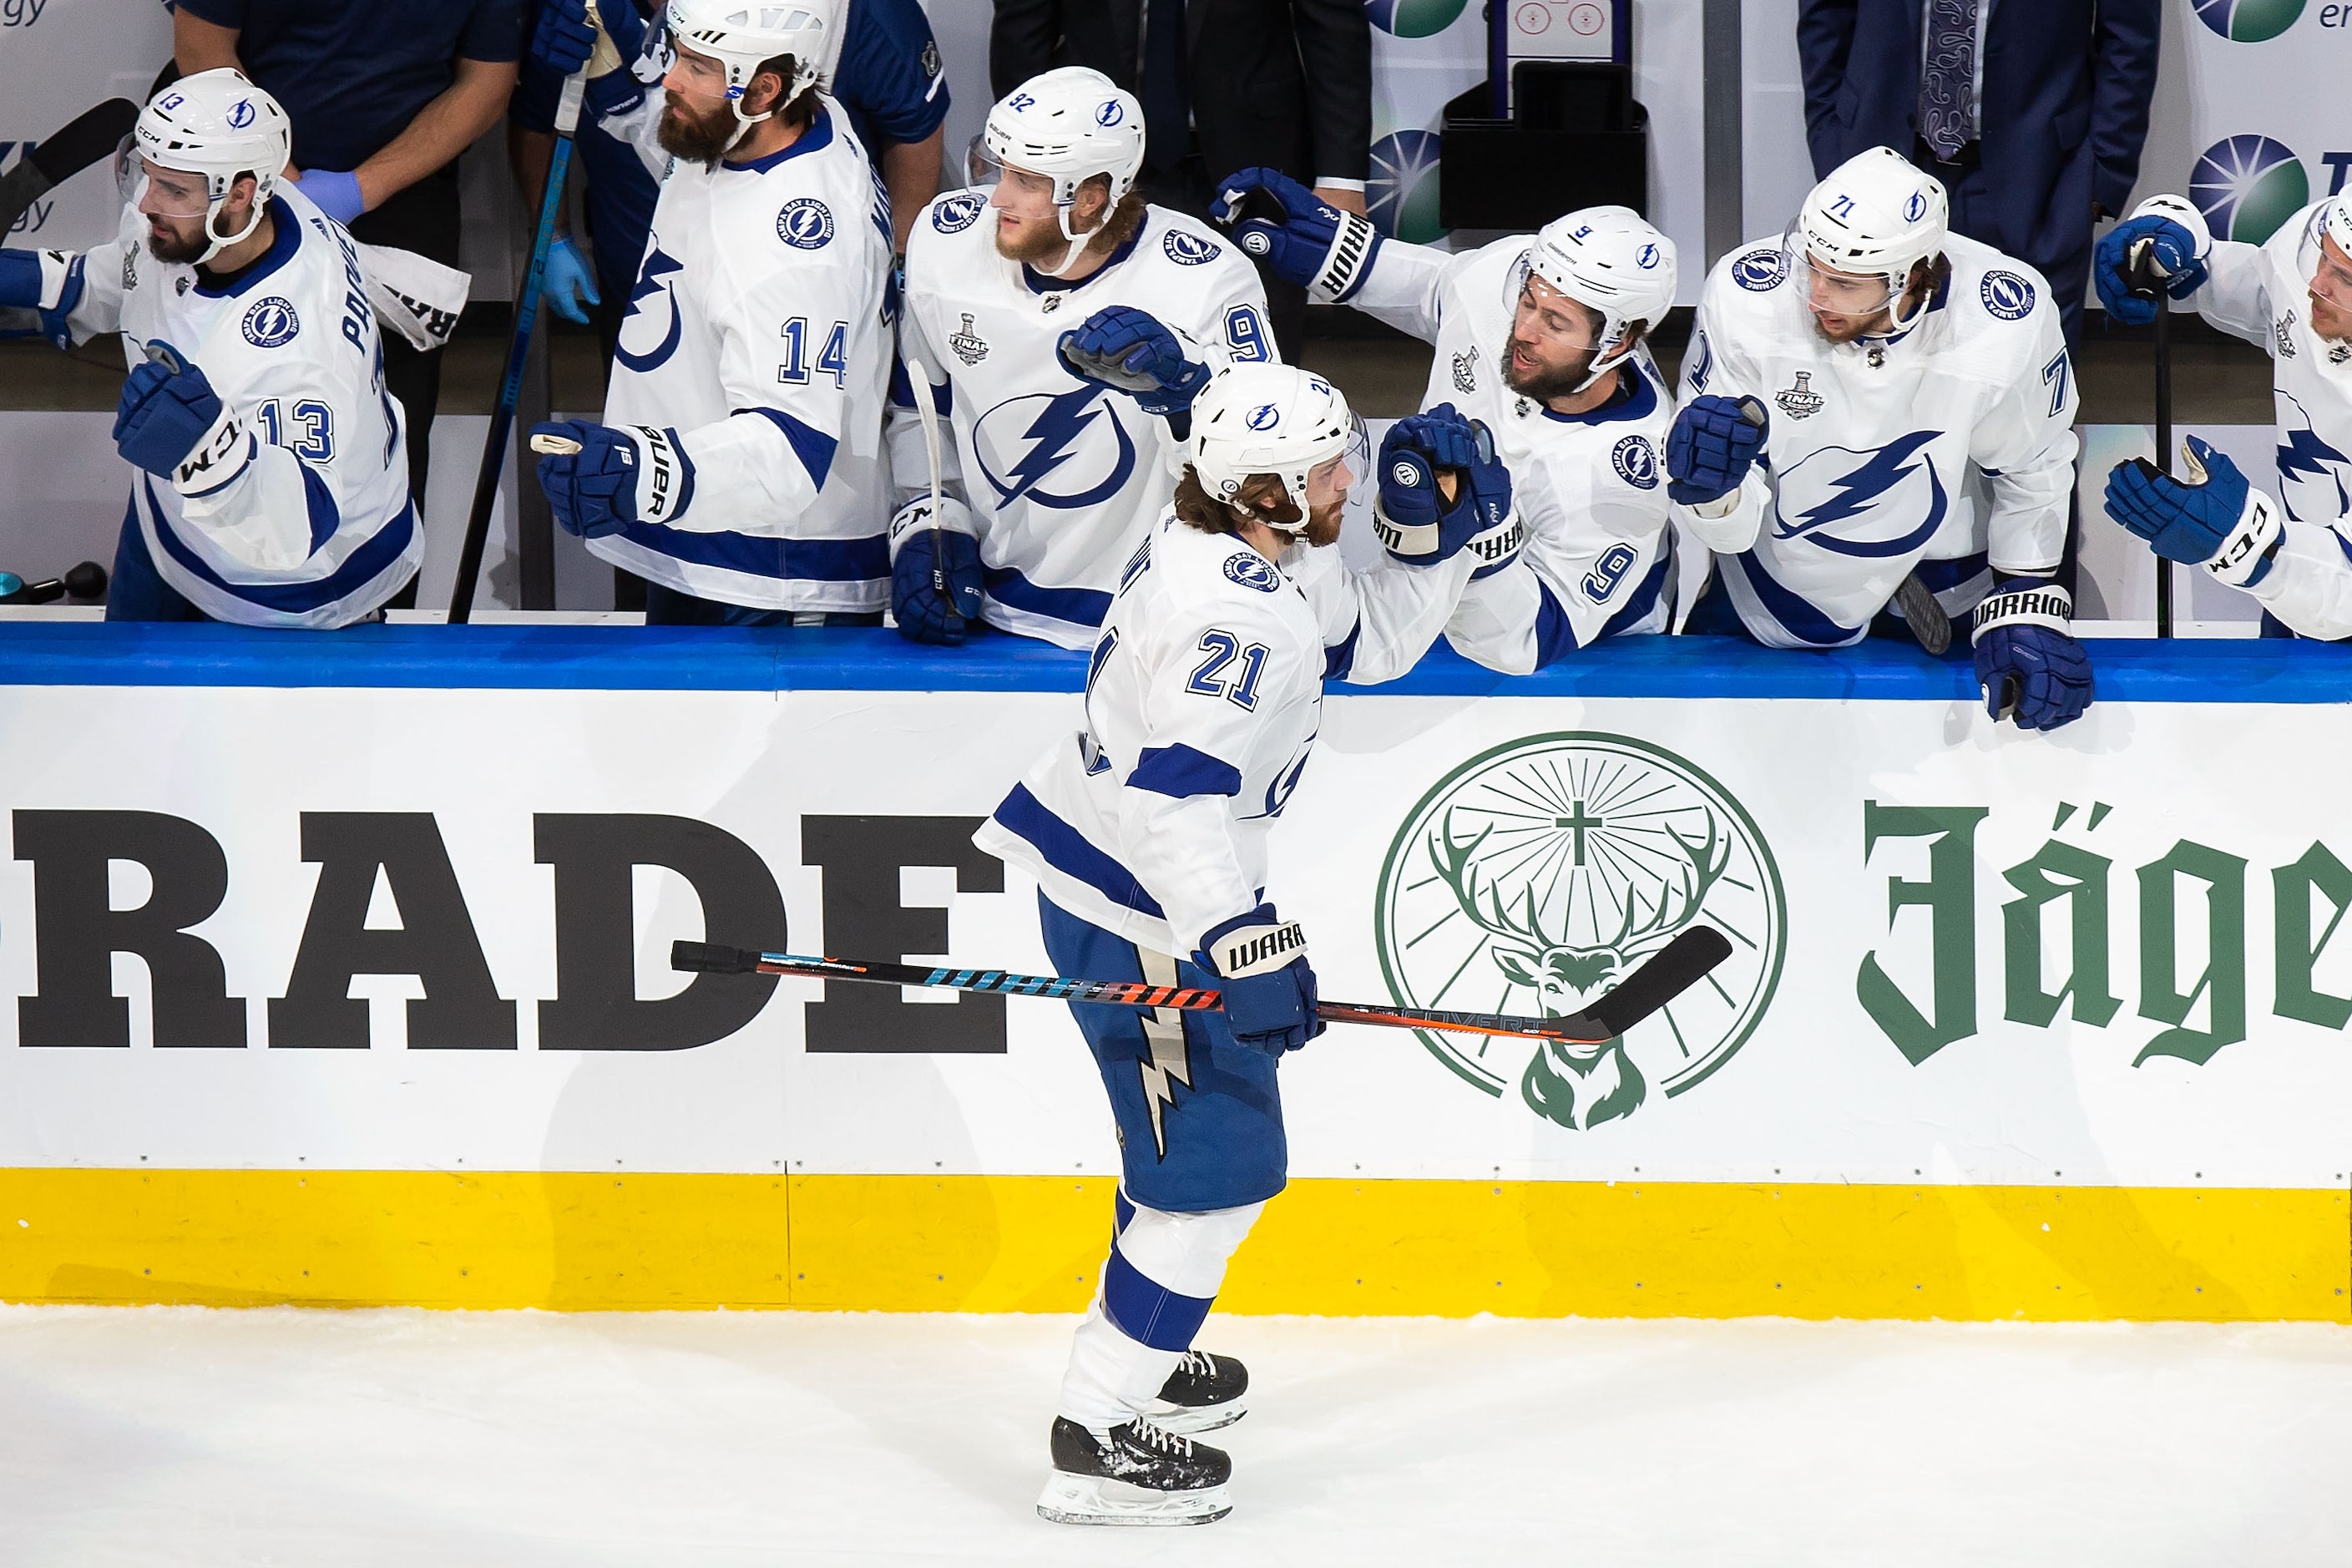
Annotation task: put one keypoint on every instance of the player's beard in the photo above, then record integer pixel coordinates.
(1545, 384)
(699, 136)
(1323, 524)
(1849, 328)
(174, 247)
(1043, 243)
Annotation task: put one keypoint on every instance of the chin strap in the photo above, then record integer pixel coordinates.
(219, 244)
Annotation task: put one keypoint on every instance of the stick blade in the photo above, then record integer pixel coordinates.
(710, 958)
(1671, 971)
(89, 136)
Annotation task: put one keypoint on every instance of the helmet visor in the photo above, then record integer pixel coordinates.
(1566, 322)
(1830, 292)
(159, 191)
(1339, 479)
(982, 170)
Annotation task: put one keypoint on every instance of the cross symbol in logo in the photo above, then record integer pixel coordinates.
(1577, 822)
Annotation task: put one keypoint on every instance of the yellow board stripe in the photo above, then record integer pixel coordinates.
(596, 1241)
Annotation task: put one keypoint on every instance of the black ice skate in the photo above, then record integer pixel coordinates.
(1206, 1391)
(1135, 1474)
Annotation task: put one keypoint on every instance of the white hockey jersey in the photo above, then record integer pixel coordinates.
(1203, 696)
(1063, 476)
(312, 527)
(1589, 487)
(1879, 451)
(757, 338)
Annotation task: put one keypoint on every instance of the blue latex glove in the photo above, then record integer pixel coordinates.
(334, 192)
(562, 40)
(2181, 520)
(2037, 673)
(1710, 446)
(593, 491)
(1300, 247)
(1269, 1006)
(163, 412)
(1419, 527)
(916, 603)
(571, 283)
(1122, 347)
(2174, 250)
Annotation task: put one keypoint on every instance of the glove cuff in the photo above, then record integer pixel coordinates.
(1347, 262)
(1414, 543)
(613, 92)
(2245, 555)
(1260, 947)
(664, 475)
(1497, 547)
(220, 454)
(915, 517)
(2026, 603)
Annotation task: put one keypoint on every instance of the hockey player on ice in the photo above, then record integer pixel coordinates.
(1847, 387)
(740, 469)
(2293, 296)
(271, 489)
(1541, 339)
(1147, 833)
(1050, 479)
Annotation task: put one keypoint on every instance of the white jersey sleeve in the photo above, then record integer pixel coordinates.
(2025, 447)
(1716, 365)
(633, 119)
(1376, 625)
(2309, 584)
(2234, 296)
(1406, 287)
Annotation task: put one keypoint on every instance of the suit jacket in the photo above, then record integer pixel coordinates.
(2063, 114)
(1286, 83)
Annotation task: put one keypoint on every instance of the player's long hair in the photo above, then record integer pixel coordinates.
(1263, 497)
(1123, 223)
(801, 113)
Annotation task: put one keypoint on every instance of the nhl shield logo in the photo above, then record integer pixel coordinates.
(969, 345)
(1801, 401)
(1535, 877)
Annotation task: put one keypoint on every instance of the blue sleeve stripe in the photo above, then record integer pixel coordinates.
(814, 447)
(1180, 772)
(1555, 637)
(319, 501)
(1799, 619)
(362, 567)
(1147, 1312)
(1067, 850)
(1340, 656)
(861, 560)
(902, 391)
(1078, 607)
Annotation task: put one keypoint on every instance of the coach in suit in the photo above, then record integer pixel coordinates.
(1225, 84)
(2031, 112)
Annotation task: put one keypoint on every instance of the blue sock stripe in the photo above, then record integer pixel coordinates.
(1147, 1312)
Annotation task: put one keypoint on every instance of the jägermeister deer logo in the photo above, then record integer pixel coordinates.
(1537, 876)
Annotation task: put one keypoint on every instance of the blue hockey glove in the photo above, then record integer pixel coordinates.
(1260, 961)
(170, 423)
(592, 490)
(564, 39)
(935, 576)
(1302, 237)
(1122, 347)
(2210, 517)
(1413, 520)
(1710, 446)
(2028, 663)
(47, 282)
(334, 192)
(571, 283)
(2174, 250)
(21, 281)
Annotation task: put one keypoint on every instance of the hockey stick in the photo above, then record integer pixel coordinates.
(1668, 973)
(2147, 279)
(526, 318)
(919, 384)
(86, 139)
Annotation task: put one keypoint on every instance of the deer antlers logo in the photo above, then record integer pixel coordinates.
(1537, 876)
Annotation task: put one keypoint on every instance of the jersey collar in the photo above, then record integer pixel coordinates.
(283, 244)
(1636, 398)
(1045, 283)
(1935, 302)
(815, 139)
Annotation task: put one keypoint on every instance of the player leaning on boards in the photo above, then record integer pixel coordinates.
(1851, 390)
(1147, 833)
(272, 490)
(740, 473)
(1579, 412)
(1049, 479)
(2293, 296)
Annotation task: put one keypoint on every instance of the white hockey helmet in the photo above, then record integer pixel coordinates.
(1256, 417)
(2327, 276)
(1611, 260)
(1874, 218)
(1069, 125)
(218, 124)
(744, 34)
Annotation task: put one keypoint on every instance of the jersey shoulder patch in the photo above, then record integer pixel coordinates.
(955, 213)
(806, 223)
(1250, 569)
(1636, 462)
(1761, 269)
(270, 322)
(1188, 250)
(2006, 295)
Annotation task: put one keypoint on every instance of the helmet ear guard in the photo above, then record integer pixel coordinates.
(1256, 417)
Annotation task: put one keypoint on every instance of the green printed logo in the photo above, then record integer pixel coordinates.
(2249, 21)
(1414, 19)
(1537, 874)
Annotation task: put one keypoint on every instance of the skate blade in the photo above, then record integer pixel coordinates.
(1095, 1500)
(1191, 1420)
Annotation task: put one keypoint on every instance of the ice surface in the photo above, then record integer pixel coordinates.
(182, 1436)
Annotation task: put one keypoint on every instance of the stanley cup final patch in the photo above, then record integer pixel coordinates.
(1801, 401)
(969, 345)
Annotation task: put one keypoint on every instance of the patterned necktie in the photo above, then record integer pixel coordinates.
(1947, 83)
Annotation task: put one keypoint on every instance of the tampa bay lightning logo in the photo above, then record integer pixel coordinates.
(2304, 458)
(1264, 416)
(1915, 208)
(652, 282)
(1188, 250)
(2006, 295)
(271, 324)
(1252, 570)
(1636, 462)
(1066, 450)
(1109, 112)
(1646, 257)
(240, 114)
(806, 223)
(1866, 490)
(953, 214)
(1760, 270)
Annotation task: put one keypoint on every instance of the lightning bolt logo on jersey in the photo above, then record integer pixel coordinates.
(1063, 477)
(1863, 504)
